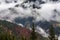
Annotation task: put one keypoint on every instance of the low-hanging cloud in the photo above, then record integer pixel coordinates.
(46, 12)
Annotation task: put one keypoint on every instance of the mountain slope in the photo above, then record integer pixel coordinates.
(17, 30)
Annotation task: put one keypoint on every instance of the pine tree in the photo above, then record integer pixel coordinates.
(51, 33)
(33, 33)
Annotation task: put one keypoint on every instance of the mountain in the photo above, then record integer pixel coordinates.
(17, 30)
(42, 12)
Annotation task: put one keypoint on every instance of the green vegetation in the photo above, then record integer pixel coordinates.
(52, 33)
(33, 33)
(7, 32)
(6, 35)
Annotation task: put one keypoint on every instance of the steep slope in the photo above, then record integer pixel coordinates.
(17, 30)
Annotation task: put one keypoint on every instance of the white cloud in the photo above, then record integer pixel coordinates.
(46, 12)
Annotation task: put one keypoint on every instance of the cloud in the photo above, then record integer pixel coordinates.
(46, 12)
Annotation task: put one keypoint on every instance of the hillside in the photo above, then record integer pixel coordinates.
(17, 30)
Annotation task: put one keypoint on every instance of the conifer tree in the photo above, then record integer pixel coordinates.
(33, 33)
(51, 33)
